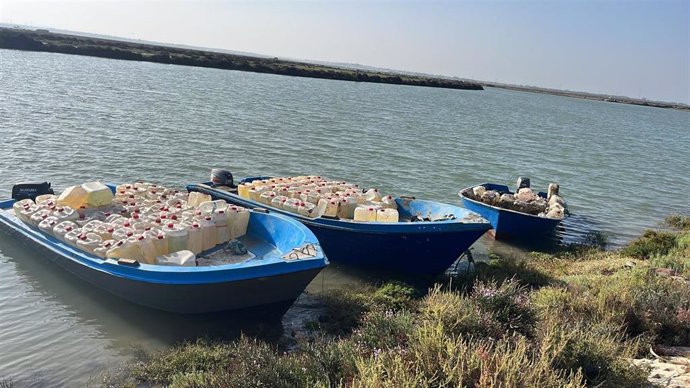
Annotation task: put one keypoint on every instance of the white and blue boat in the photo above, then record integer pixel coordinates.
(287, 256)
(425, 248)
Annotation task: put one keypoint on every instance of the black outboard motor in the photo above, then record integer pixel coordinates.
(30, 190)
(220, 177)
(522, 182)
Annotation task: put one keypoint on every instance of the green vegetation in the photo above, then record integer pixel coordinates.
(651, 243)
(571, 319)
(678, 222)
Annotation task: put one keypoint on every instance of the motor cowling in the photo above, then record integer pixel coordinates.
(221, 177)
(30, 190)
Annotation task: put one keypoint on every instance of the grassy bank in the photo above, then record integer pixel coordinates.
(571, 319)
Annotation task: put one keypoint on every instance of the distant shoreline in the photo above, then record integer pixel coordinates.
(591, 96)
(46, 41)
(42, 40)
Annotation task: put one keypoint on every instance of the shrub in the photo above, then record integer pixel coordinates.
(592, 241)
(684, 241)
(660, 306)
(246, 363)
(457, 315)
(198, 357)
(499, 270)
(676, 261)
(435, 359)
(678, 222)
(343, 311)
(597, 239)
(383, 330)
(598, 351)
(650, 244)
(491, 310)
(335, 360)
(639, 301)
(567, 303)
(508, 304)
(394, 296)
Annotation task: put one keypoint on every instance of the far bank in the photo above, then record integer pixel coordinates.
(46, 41)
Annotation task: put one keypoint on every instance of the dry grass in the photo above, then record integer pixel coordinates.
(573, 319)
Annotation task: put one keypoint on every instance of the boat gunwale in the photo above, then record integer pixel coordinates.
(166, 274)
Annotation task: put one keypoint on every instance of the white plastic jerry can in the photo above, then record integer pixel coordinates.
(292, 205)
(208, 233)
(148, 247)
(372, 195)
(64, 227)
(387, 215)
(240, 221)
(22, 205)
(88, 241)
(97, 194)
(196, 238)
(103, 248)
(177, 236)
(307, 209)
(48, 224)
(389, 202)
(220, 219)
(365, 213)
(330, 207)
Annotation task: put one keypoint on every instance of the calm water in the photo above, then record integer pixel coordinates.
(68, 119)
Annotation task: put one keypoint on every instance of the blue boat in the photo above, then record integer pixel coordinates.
(420, 248)
(276, 276)
(510, 224)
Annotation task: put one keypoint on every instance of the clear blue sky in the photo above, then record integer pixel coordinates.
(632, 48)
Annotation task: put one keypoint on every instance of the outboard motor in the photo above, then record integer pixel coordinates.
(220, 177)
(522, 183)
(30, 190)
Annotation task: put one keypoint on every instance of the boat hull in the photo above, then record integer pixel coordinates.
(425, 254)
(177, 291)
(421, 249)
(510, 224)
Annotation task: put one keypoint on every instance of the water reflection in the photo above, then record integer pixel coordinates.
(116, 318)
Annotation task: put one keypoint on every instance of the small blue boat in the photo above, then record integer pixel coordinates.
(276, 276)
(420, 248)
(506, 223)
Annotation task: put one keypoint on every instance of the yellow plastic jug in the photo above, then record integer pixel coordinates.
(387, 215)
(365, 213)
(97, 194)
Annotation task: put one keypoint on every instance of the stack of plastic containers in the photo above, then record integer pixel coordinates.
(313, 196)
(140, 221)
